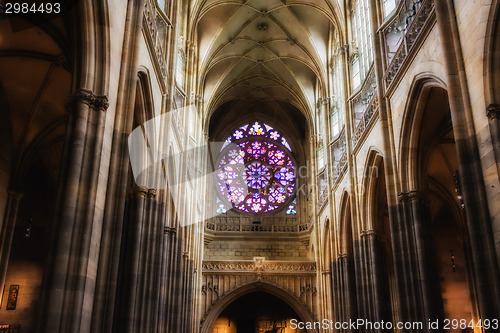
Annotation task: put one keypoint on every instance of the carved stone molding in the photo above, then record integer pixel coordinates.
(259, 265)
(493, 111)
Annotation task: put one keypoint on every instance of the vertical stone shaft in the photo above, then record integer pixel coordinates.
(7, 233)
(478, 219)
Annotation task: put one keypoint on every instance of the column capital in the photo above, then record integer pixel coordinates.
(170, 230)
(85, 96)
(140, 192)
(101, 103)
(410, 196)
(368, 233)
(342, 256)
(493, 111)
(151, 193)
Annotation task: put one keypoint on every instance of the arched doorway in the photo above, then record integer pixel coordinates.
(256, 308)
(257, 312)
(439, 183)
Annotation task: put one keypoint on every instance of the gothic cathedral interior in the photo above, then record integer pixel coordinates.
(250, 166)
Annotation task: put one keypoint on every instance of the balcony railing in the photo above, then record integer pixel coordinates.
(370, 112)
(339, 153)
(219, 224)
(407, 25)
(158, 26)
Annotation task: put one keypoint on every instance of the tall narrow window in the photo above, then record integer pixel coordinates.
(161, 4)
(389, 6)
(181, 60)
(335, 121)
(338, 80)
(356, 76)
(361, 41)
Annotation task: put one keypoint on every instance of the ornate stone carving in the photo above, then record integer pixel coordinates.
(259, 264)
(101, 103)
(96, 102)
(84, 96)
(210, 287)
(308, 289)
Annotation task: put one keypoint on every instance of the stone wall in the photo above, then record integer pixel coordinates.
(271, 249)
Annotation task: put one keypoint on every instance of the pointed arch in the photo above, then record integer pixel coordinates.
(345, 225)
(369, 185)
(225, 301)
(412, 121)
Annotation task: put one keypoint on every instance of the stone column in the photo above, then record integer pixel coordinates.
(493, 114)
(380, 297)
(136, 310)
(484, 256)
(428, 290)
(166, 278)
(70, 278)
(8, 226)
(348, 289)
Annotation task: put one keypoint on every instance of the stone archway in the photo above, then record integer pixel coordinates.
(214, 312)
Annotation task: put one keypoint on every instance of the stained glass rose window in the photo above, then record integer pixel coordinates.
(256, 172)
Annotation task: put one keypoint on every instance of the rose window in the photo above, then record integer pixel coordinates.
(256, 172)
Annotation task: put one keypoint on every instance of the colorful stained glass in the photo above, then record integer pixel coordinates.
(274, 135)
(221, 209)
(256, 129)
(226, 143)
(276, 157)
(238, 134)
(292, 210)
(285, 143)
(256, 173)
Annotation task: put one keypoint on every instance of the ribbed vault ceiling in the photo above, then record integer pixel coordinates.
(263, 54)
